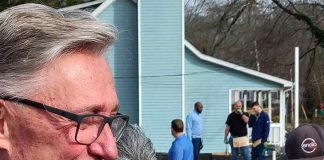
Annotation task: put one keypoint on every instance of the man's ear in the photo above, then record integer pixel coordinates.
(4, 131)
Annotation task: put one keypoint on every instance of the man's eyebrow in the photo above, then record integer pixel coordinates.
(116, 108)
(94, 108)
(88, 108)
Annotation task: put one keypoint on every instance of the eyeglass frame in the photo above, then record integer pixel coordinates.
(69, 115)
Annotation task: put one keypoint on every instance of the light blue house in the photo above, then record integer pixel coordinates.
(159, 75)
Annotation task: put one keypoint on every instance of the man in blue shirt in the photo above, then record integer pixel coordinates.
(260, 124)
(182, 148)
(194, 127)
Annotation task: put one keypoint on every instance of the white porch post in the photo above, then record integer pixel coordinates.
(244, 101)
(282, 117)
(236, 96)
(260, 98)
(296, 87)
(270, 105)
(254, 96)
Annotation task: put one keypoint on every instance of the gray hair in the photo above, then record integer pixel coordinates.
(34, 35)
(134, 145)
(238, 101)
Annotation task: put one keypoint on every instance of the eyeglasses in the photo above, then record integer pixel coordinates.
(89, 126)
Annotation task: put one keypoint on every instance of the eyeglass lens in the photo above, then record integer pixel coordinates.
(91, 127)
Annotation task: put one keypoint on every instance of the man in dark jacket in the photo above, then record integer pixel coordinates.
(260, 123)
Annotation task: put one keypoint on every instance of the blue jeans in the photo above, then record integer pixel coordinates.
(196, 146)
(258, 152)
(245, 151)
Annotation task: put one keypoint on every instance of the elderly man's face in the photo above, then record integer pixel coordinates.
(238, 105)
(79, 83)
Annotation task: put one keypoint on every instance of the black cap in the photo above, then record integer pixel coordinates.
(306, 142)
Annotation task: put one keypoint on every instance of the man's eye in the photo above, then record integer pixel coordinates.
(113, 115)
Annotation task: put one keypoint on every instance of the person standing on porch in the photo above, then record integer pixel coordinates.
(236, 125)
(260, 123)
(194, 128)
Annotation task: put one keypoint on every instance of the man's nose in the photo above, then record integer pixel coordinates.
(105, 146)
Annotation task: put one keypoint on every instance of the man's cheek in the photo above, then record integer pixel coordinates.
(71, 149)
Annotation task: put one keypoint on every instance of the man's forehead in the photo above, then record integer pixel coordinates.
(78, 63)
(78, 67)
(80, 82)
(238, 103)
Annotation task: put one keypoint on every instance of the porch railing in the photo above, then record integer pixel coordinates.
(274, 135)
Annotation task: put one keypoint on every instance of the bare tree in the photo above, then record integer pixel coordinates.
(313, 23)
(261, 35)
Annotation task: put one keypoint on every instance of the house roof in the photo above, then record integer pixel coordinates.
(102, 7)
(82, 5)
(268, 77)
(105, 5)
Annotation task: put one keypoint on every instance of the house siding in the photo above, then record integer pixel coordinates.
(123, 57)
(161, 73)
(161, 68)
(210, 84)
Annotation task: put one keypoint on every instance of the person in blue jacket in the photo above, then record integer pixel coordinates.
(182, 147)
(260, 123)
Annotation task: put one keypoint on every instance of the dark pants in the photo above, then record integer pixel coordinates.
(258, 152)
(197, 146)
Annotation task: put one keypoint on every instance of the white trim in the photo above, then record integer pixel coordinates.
(282, 117)
(257, 89)
(183, 64)
(296, 87)
(244, 101)
(82, 5)
(102, 7)
(105, 5)
(275, 124)
(285, 83)
(230, 100)
(229, 111)
(260, 98)
(270, 105)
(139, 36)
(285, 112)
(236, 96)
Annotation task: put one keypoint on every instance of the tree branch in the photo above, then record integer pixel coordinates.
(305, 53)
(318, 4)
(319, 33)
(236, 17)
(309, 70)
(274, 25)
